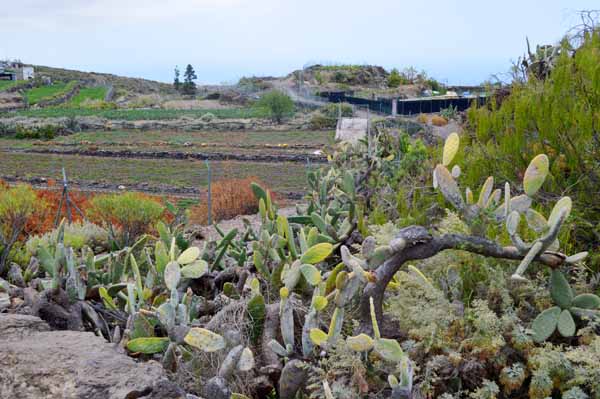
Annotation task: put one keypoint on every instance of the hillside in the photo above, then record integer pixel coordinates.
(132, 85)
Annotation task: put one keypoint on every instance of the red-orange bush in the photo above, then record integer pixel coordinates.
(230, 198)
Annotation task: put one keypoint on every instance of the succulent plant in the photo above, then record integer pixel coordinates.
(512, 208)
(174, 314)
(560, 317)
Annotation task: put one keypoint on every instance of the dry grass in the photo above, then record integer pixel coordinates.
(437, 120)
(230, 198)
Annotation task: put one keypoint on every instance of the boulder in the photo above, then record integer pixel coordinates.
(38, 363)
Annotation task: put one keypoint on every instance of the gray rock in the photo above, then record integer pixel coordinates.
(293, 376)
(216, 388)
(39, 363)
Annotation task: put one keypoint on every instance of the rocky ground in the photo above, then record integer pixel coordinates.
(38, 363)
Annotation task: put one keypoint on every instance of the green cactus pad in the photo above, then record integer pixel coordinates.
(450, 148)
(448, 187)
(560, 290)
(469, 196)
(172, 275)
(204, 339)
(389, 349)
(330, 283)
(317, 253)
(188, 256)
(360, 343)
(258, 192)
(545, 323)
(318, 336)
(563, 203)
(586, 301)
(277, 348)
(486, 191)
(566, 324)
(148, 345)
(311, 274)
(535, 174)
(536, 221)
(161, 257)
(512, 222)
(195, 270)
(320, 303)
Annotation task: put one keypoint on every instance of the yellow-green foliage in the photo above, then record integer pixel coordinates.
(76, 235)
(431, 323)
(485, 335)
(17, 205)
(132, 212)
(559, 117)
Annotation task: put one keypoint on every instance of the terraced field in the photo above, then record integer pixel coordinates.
(27, 160)
(6, 84)
(38, 94)
(144, 114)
(87, 94)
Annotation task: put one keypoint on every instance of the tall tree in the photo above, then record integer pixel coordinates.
(176, 82)
(189, 87)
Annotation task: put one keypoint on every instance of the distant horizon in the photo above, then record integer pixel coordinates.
(455, 42)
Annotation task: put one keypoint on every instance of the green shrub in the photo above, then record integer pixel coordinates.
(558, 116)
(333, 110)
(395, 79)
(46, 132)
(278, 105)
(131, 213)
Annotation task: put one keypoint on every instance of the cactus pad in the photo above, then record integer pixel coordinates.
(188, 256)
(535, 174)
(360, 343)
(450, 148)
(566, 324)
(317, 253)
(587, 301)
(204, 339)
(560, 290)
(195, 270)
(545, 323)
(148, 345)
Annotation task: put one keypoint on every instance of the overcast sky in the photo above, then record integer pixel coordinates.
(455, 41)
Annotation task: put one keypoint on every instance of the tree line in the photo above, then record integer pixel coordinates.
(188, 86)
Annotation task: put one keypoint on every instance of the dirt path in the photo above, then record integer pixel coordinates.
(103, 187)
(210, 233)
(302, 158)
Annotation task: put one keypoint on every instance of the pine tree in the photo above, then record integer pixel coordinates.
(176, 82)
(189, 87)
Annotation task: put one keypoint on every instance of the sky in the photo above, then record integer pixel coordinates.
(457, 42)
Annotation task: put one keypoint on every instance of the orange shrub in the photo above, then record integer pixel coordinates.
(45, 221)
(438, 120)
(230, 198)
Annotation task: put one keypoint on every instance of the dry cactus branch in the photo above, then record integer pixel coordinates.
(426, 248)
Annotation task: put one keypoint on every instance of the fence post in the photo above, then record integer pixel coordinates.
(209, 203)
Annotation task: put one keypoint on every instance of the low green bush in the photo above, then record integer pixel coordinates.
(127, 216)
(279, 105)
